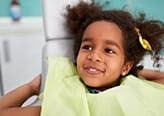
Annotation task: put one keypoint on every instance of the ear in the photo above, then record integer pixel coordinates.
(126, 68)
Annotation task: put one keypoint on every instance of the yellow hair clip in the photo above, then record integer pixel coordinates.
(145, 44)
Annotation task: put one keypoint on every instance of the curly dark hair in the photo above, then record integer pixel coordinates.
(78, 17)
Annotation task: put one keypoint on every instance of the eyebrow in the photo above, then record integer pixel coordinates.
(86, 39)
(108, 42)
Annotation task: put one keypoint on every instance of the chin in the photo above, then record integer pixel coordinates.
(92, 84)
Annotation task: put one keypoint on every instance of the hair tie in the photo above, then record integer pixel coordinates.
(145, 44)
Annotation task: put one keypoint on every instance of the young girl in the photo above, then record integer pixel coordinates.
(108, 47)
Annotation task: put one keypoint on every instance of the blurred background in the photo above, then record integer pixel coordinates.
(21, 42)
(22, 36)
(27, 7)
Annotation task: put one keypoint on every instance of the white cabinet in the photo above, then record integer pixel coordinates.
(20, 53)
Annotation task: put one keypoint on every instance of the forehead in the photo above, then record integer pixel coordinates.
(103, 30)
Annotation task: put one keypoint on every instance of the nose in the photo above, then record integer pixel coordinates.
(95, 56)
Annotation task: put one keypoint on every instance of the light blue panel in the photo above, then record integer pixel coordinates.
(31, 7)
(112, 4)
(4, 7)
(153, 8)
(28, 7)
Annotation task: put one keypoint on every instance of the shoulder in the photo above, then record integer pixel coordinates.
(140, 83)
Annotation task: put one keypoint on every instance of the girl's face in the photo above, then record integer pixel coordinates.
(101, 59)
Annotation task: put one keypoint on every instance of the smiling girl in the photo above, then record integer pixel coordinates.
(108, 48)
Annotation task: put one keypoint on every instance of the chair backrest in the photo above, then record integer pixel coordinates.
(58, 40)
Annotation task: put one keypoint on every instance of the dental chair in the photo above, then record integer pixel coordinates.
(58, 41)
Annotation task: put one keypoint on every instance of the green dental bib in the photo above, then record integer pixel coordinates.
(66, 95)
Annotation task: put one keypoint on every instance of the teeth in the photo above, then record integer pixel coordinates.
(92, 69)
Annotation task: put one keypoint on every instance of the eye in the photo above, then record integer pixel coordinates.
(109, 51)
(87, 47)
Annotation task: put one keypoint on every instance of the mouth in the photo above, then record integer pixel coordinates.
(93, 70)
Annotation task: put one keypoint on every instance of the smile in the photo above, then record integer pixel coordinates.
(92, 70)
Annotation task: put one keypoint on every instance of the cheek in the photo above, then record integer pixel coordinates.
(80, 57)
(79, 61)
(115, 66)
